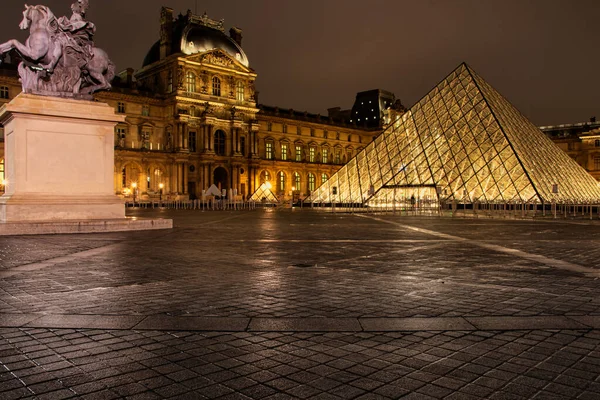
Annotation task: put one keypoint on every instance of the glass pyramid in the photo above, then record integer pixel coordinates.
(462, 142)
(263, 193)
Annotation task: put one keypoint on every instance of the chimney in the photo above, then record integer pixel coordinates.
(166, 32)
(130, 77)
(236, 35)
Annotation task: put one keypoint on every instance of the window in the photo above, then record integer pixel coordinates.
(284, 128)
(157, 178)
(146, 110)
(324, 178)
(298, 153)
(299, 130)
(269, 150)
(4, 92)
(349, 138)
(264, 177)
(216, 86)
(124, 177)
(597, 143)
(297, 181)
(311, 154)
(240, 91)
(220, 142)
(284, 150)
(337, 159)
(148, 178)
(281, 182)
(121, 108)
(596, 163)
(243, 144)
(2, 172)
(170, 82)
(269, 126)
(324, 160)
(190, 82)
(192, 141)
(311, 182)
(312, 132)
(325, 134)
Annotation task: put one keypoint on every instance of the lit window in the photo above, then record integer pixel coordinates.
(240, 91)
(281, 182)
(337, 156)
(121, 108)
(146, 111)
(1, 171)
(298, 153)
(311, 154)
(596, 163)
(284, 150)
(216, 86)
(324, 178)
(269, 151)
(311, 182)
(325, 151)
(297, 181)
(190, 82)
(4, 92)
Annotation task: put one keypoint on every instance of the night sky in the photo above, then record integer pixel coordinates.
(310, 55)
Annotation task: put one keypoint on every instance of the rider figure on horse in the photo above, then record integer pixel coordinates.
(81, 31)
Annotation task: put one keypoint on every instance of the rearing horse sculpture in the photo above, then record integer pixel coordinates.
(60, 59)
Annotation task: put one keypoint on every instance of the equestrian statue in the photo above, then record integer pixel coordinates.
(59, 57)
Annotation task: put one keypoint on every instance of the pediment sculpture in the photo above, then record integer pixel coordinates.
(59, 57)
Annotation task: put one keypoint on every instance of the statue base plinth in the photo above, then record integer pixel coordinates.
(59, 158)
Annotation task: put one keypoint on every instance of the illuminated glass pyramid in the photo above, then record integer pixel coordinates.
(463, 141)
(263, 193)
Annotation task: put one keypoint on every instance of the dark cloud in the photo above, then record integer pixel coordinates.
(314, 54)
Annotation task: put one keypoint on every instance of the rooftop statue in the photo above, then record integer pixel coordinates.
(59, 57)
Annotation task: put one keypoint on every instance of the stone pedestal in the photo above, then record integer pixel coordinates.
(59, 160)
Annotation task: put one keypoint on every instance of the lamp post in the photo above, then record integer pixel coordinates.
(133, 190)
(160, 187)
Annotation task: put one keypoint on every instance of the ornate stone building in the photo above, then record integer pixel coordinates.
(192, 120)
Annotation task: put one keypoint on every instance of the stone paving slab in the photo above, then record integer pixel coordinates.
(593, 321)
(528, 323)
(415, 324)
(17, 320)
(194, 324)
(86, 321)
(305, 325)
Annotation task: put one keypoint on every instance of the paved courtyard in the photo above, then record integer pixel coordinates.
(301, 304)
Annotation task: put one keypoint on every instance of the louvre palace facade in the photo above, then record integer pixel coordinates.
(192, 120)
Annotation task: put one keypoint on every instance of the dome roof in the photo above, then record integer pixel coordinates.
(200, 39)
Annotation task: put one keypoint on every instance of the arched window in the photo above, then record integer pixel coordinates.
(265, 177)
(297, 181)
(220, 142)
(281, 182)
(157, 178)
(190, 82)
(311, 182)
(324, 178)
(240, 91)
(216, 83)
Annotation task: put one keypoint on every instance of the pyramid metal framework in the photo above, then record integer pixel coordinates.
(263, 192)
(462, 142)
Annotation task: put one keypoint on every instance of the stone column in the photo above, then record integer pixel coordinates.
(186, 132)
(186, 170)
(211, 138)
(234, 177)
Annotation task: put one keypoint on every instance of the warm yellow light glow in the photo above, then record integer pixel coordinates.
(134, 185)
(293, 188)
(269, 186)
(161, 185)
(4, 182)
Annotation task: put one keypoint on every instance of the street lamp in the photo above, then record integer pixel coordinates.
(160, 187)
(133, 189)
